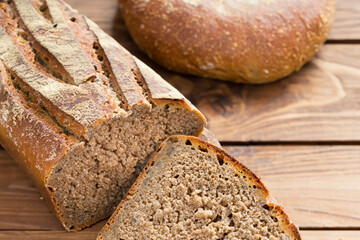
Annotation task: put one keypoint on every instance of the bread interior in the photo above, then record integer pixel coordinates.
(193, 193)
(90, 181)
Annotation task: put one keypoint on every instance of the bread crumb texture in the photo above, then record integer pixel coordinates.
(194, 193)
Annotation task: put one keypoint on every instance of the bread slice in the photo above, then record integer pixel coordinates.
(79, 113)
(191, 189)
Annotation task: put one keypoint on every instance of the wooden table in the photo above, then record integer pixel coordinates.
(300, 134)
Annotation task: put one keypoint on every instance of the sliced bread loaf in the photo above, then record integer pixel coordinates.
(79, 113)
(191, 189)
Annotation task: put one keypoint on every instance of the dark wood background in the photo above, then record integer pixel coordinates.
(300, 134)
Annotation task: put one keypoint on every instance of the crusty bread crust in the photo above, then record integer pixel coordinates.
(241, 41)
(51, 95)
(240, 168)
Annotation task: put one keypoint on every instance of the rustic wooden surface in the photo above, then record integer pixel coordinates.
(347, 24)
(301, 135)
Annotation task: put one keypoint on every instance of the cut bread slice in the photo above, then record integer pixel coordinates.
(191, 189)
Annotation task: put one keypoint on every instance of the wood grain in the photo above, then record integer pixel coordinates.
(86, 235)
(318, 103)
(330, 235)
(347, 21)
(317, 185)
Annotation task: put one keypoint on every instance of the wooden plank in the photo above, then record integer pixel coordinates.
(330, 235)
(318, 103)
(347, 21)
(85, 235)
(107, 15)
(317, 185)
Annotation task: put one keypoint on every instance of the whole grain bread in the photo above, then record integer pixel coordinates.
(247, 41)
(191, 189)
(79, 113)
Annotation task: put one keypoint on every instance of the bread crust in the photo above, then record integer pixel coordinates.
(241, 41)
(47, 109)
(240, 168)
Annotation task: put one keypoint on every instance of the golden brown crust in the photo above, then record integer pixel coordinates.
(57, 40)
(288, 225)
(74, 107)
(243, 41)
(252, 179)
(121, 65)
(48, 102)
(89, 103)
(22, 131)
(22, 125)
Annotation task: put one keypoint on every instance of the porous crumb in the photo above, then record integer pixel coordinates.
(92, 178)
(194, 194)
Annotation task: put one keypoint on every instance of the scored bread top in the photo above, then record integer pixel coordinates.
(240, 170)
(61, 75)
(79, 74)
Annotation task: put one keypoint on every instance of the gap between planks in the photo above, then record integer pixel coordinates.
(290, 143)
(283, 143)
(342, 41)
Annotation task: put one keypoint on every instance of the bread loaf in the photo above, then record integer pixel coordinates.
(191, 189)
(255, 41)
(79, 113)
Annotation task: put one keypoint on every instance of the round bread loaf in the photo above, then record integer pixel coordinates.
(252, 41)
